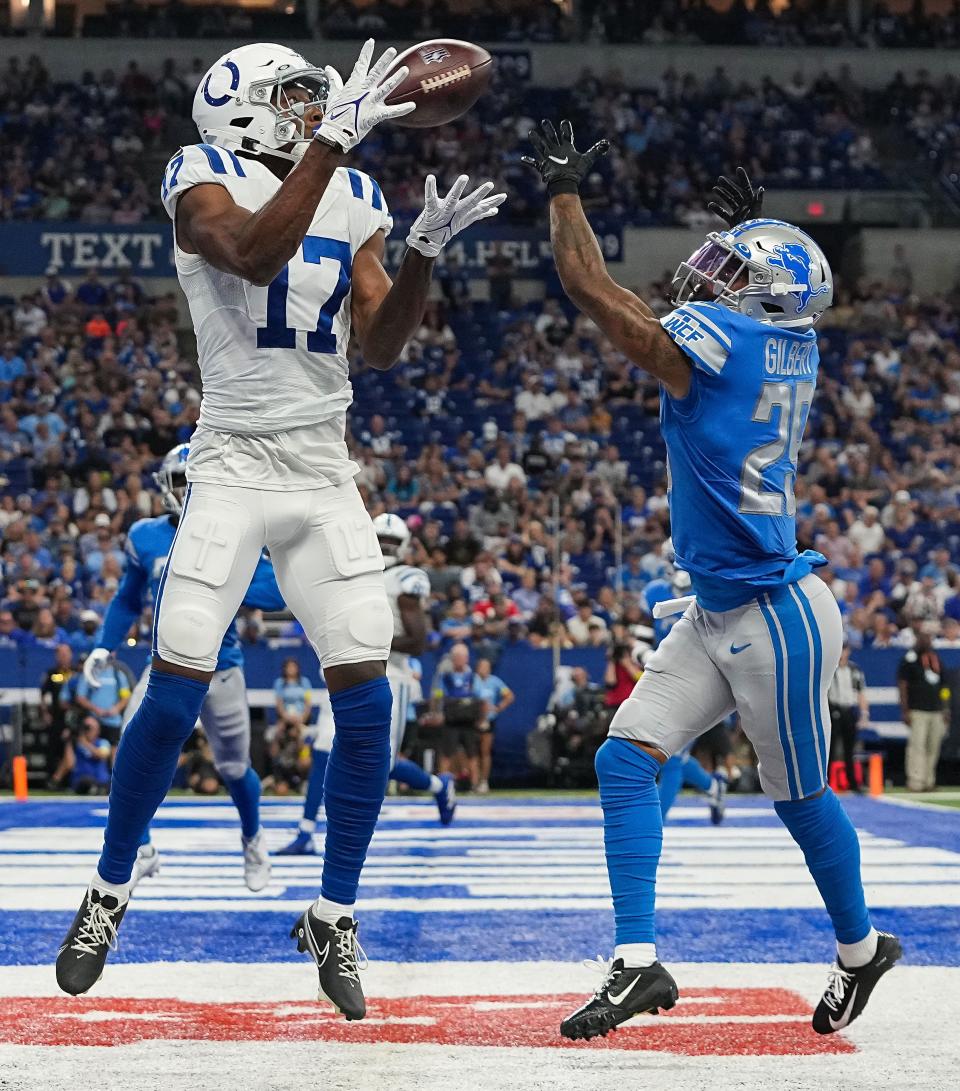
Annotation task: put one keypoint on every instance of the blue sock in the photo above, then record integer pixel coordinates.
(355, 784)
(409, 773)
(695, 775)
(145, 766)
(318, 770)
(245, 793)
(632, 835)
(823, 831)
(671, 778)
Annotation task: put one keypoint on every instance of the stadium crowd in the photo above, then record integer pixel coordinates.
(113, 131)
(831, 23)
(490, 415)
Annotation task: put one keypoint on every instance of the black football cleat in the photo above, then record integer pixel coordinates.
(92, 936)
(624, 993)
(848, 991)
(339, 958)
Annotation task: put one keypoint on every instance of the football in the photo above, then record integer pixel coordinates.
(446, 78)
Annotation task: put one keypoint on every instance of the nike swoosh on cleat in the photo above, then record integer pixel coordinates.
(618, 1000)
(562, 162)
(840, 1023)
(734, 650)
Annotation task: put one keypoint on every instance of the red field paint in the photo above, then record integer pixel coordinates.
(706, 1022)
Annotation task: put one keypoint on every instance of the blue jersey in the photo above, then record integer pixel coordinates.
(732, 447)
(148, 545)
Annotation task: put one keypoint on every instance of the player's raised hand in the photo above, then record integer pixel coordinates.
(354, 107)
(557, 160)
(736, 201)
(444, 217)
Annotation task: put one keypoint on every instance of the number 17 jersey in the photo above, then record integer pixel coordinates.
(273, 359)
(732, 448)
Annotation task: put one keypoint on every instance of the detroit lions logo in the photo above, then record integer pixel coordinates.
(794, 259)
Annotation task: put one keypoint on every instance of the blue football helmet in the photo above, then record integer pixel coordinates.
(767, 269)
(171, 478)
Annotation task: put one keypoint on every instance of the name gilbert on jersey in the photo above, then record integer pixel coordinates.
(783, 357)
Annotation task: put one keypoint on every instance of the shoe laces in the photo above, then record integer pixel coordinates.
(602, 966)
(837, 981)
(352, 957)
(96, 929)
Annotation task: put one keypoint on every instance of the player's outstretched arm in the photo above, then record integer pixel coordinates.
(385, 313)
(622, 316)
(257, 245)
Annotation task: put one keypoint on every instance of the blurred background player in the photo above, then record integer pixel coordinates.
(225, 712)
(497, 697)
(666, 598)
(737, 363)
(406, 590)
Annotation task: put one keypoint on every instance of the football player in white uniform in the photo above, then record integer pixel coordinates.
(279, 248)
(406, 590)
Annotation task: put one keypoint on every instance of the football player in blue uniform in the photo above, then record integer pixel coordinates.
(407, 590)
(665, 600)
(737, 363)
(225, 712)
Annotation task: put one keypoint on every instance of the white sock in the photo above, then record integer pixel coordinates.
(853, 955)
(435, 783)
(330, 912)
(636, 954)
(121, 891)
(307, 825)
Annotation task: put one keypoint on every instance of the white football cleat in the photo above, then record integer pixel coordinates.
(146, 864)
(256, 862)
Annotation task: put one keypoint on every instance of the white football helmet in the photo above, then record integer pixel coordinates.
(394, 536)
(788, 279)
(242, 101)
(171, 478)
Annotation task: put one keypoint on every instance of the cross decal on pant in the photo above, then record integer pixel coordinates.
(207, 538)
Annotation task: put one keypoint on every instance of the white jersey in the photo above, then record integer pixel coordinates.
(401, 579)
(273, 359)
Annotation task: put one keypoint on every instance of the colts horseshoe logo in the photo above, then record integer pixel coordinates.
(234, 84)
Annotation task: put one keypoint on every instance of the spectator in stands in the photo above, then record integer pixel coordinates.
(462, 710)
(586, 628)
(501, 472)
(200, 769)
(847, 700)
(56, 699)
(107, 700)
(292, 697)
(496, 696)
(921, 684)
(89, 759)
(620, 676)
(84, 639)
(581, 726)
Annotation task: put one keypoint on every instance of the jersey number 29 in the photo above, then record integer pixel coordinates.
(276, 334)
(793, 401)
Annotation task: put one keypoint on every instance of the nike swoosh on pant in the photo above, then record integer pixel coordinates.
(840, 1023)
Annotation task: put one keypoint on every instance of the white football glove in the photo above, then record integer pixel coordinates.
(93, 666)
(353, 108)
(442, 218)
